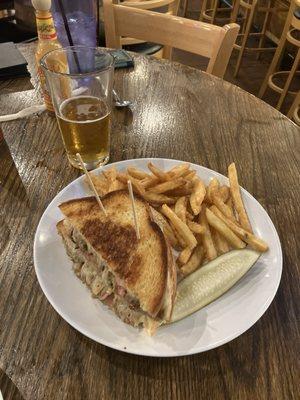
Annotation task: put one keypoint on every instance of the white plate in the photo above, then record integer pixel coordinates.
(216, 324)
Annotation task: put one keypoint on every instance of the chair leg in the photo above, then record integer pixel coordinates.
(264, 29)
(244, 21)
(235, 10)
(272, 68)
(203, 8)
(295, 104)
(275, 61)
(215, 7)
(174, 8)
(185, 7)
(245, 37)
(289, 80)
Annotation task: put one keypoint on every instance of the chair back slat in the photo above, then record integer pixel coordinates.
(207, 40)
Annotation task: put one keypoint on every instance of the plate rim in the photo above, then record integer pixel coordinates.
(171, 353)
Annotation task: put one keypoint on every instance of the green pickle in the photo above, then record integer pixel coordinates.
(211, 281)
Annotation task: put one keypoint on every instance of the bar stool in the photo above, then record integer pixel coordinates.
(252, 7)
(291, 34)
(210, 8)
(294, 112)
(185, 5)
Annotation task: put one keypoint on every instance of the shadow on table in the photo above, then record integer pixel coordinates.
(8, 388)
(152, 367)
(123, 116)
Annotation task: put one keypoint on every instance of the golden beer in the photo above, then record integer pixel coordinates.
(84, 122)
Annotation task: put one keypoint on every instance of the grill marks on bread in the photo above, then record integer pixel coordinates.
(116, 243)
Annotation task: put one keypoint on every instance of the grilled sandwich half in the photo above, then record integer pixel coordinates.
(135, 278)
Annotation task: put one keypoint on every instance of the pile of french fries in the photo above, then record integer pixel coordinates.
(201, 222)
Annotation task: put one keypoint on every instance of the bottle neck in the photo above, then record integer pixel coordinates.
(45, 25)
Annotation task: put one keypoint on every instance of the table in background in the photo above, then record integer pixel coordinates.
(179, 113)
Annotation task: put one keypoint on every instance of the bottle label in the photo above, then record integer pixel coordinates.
(45, 27)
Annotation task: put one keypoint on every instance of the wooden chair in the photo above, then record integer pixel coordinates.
(170, 6)
(290, 34)
(213, 42)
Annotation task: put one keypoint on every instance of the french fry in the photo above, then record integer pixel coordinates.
(122, 176)
(237, 198)
(224, 230)
(197, 196)
(190, 176)
(190, 216)
(101, 184)
(180, 226)
(116, 185)
(255, 242)
(179, 238)
(171, 237)
(110, 174)
(178, 171)
(164, 225)
(137, 187)
(194, 261)
(163, 176)
(196, 228)
(180, 208)
(137, 173)
(168, 185)
(185, 190)
(150, 181)
(158, 199)
(213, 187)
(221, 244)
(229, 203)
(184, 255)
(224, 193)
(209, 247)
(224, 208)
(112, 181)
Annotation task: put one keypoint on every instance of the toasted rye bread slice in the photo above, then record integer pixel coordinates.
(142, 265)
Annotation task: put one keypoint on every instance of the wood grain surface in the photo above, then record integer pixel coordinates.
(178, 112)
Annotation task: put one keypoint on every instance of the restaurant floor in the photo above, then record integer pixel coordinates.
(252, 71)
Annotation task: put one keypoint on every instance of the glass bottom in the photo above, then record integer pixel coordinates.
(88, 165)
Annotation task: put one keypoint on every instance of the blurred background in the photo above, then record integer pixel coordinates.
(17, 24)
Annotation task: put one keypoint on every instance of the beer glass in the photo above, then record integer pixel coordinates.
(80, 80)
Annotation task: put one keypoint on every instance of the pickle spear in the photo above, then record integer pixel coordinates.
(211, 281)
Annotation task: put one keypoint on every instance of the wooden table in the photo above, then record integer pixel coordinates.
(180, 113)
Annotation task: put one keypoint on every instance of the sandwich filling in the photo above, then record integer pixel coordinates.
(93, 271)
